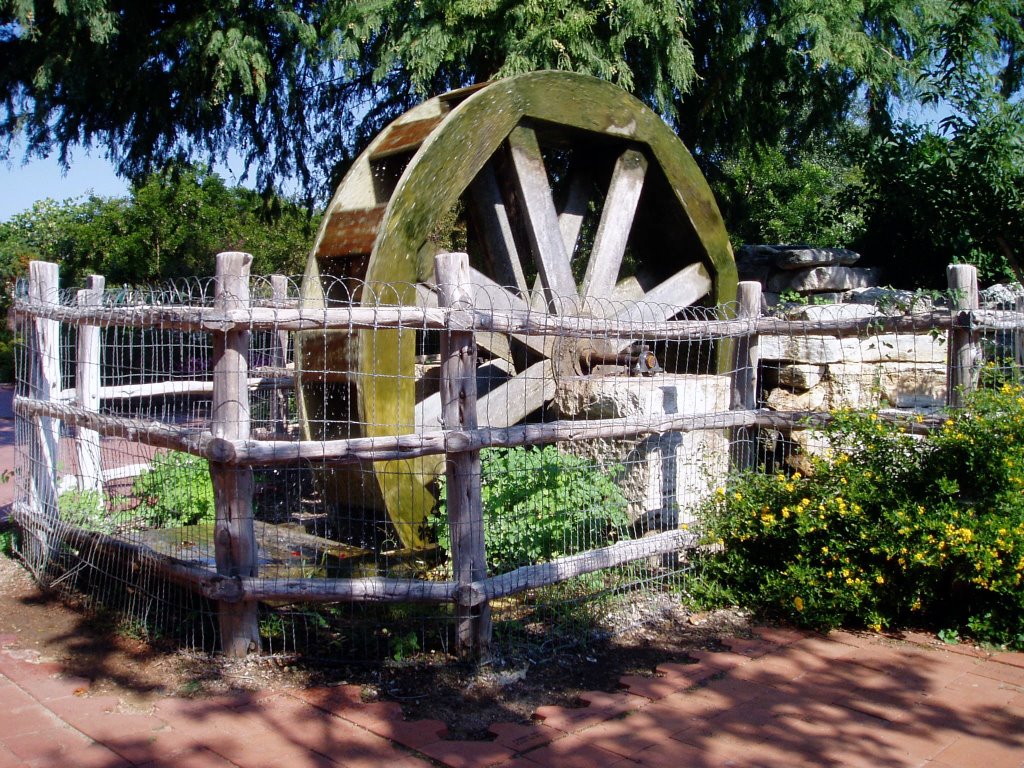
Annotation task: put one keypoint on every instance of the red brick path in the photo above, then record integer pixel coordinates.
(786, 700)
(789, 699)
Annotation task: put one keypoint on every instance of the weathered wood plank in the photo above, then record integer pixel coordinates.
(497, 229)
(45, 385)
(152, 433)
(568, 567)
(616, 223)
(541, 216)
(404, 137)
(351, 232)
(743, 392)
(537, 322)
(264, 453)
(574, 210)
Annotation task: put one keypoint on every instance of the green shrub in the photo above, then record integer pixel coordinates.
(889, 529)
(539, 504)
(176, 491)
(85, 509)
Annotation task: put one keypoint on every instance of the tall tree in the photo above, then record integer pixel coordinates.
(298, 87)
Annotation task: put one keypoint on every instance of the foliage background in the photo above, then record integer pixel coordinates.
(795, 110)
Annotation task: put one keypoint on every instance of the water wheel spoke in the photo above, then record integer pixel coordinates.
(577, 200)
(495, 344)
(497, 229)
(663, 302)
(540, 216)
(518, 397)
(616, 222)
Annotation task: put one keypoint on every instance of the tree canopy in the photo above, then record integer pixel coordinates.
(296, 89)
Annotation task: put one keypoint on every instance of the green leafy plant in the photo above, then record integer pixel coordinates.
(403, 646)
(85, 509)
(889, 529)
(541, 503)
(176, 491)
(8, 541)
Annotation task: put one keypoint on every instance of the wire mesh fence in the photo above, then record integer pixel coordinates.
(367, 470)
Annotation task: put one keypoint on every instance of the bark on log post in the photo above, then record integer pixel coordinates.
(465, 508)
(279, 357)
(44, 432)
(234, 539)
(743, 395)
(87, 389)
(963, 342)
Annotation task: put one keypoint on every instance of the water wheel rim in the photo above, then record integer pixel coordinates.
(471, 133)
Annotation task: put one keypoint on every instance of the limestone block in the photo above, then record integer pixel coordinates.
(1000, 296)
(810, 442)
(667, 475)
(835, 312)
(823, 279)
(853, 386)
(906, 385)
(904, 348)
(794, 376)
(819, 350)
(889, 299)
(796, 257)
(784, 400)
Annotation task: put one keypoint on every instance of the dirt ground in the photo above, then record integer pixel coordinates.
(467, 699)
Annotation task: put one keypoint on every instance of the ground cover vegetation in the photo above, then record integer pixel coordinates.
(539, 504)
(887, 530)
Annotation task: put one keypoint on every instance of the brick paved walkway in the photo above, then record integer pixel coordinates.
(786, 700)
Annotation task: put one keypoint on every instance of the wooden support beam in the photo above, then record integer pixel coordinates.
(235, 548)
(87, 389)
(616, 223)
(964, 352)
(459, 411)
(45, 386)
(541, 216)
(743, 393)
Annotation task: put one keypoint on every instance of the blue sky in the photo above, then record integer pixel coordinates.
(21, 185)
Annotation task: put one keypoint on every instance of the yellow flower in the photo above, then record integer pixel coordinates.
(879, 579)
(798, 603)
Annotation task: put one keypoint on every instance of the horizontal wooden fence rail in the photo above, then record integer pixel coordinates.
(513, 322)
(356, 450)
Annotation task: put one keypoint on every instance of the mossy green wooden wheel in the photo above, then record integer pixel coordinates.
(561, 187)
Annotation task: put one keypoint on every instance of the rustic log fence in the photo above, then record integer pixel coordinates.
(227, 441)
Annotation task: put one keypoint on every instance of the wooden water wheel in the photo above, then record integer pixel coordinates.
(561, 187)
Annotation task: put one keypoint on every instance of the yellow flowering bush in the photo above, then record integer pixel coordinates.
(890, 529)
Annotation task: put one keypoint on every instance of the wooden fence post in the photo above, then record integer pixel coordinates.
(963, 350)
(87, 390)
(1018, 336)
(234, 538)
(44, 432)
(743, 395)
(279, 357)
(458, 408)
